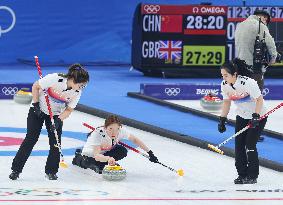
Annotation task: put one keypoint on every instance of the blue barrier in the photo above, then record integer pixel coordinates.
(8, 90)
(196, 91)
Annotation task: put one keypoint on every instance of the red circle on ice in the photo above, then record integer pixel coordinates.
(9, 141)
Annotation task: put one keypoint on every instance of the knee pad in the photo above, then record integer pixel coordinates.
(84, 162)
(251, 153)
(79, 160)
(124, 151)
(249, 150)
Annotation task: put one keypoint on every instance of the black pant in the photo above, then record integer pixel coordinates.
(118, 152)
(247, 163)
(259, 78)
(34, 126)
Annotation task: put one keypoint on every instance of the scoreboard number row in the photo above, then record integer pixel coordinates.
(244, 12)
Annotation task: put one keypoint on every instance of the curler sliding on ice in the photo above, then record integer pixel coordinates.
(96, 157)
(216, 148)
(102, 148)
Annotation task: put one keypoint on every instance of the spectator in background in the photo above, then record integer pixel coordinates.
(245, 39)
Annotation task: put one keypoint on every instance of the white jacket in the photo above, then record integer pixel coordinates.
(245, 36)
(243, 93)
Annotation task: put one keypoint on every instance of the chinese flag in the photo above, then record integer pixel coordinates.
(171, 23)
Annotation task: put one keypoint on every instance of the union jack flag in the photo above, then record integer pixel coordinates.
(170, 50)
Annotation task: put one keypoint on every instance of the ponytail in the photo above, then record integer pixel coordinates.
(77, 73)
(242, 67)
(237, 66)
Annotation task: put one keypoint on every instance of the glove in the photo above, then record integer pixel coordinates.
(255, 120)
(221, 124)
(37, 110)
(57, 124)
(152, 157)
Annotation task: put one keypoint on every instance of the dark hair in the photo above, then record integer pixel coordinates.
(77, 73)
(237, 66)
(112, 119)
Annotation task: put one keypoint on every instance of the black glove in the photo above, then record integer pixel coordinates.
(37, 110)
(221, 124)
(255, 120)
(57, 124)
(152, 157)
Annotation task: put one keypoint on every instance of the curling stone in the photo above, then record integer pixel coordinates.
(113, 173)
(211, 102)
(23, 97)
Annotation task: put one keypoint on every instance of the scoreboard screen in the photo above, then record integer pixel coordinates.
(239, 14)
(189, 40)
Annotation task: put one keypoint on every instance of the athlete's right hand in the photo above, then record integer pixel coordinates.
(221, 124)
(152, 157)
(255, 120)
(111, 161)
(37, 110)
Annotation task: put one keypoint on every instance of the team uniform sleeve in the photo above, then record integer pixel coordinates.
(94, 139)
(223, 93)
(48, 80)
(253, 89)
(124, 134)
(75, 101)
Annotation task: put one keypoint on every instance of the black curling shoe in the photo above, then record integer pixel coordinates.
(51, 176)
(239, 180)
(14, 175)
(250, 180)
